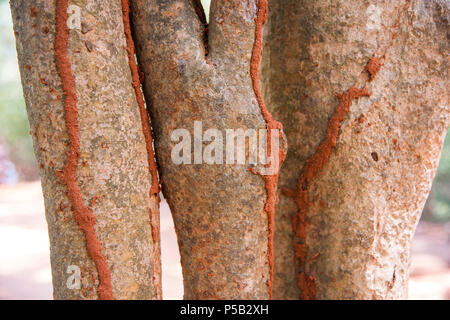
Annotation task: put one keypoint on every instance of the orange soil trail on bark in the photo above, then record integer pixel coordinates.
(312, 167)
(84, 216)
(154, 190)
(146, 129)
(271, 181)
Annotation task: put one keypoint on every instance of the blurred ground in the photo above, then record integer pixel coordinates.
(24, 246)
(430, 267)
(25, 265)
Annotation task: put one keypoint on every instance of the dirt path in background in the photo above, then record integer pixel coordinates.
(25, 265)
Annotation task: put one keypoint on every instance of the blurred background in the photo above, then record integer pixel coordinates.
(24, 245)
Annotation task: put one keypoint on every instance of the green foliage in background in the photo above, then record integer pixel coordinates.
(14, 127)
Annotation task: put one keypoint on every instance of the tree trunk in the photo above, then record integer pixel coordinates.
(223, 213)
(361, 89)
(89, 142)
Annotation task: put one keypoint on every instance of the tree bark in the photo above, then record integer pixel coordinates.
(361, 162)
(360, 86)
(92, 151)
(221, 212)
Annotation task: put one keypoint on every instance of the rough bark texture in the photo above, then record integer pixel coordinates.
(359, 167)
(218, 209)
(360, 86)
(111, 166)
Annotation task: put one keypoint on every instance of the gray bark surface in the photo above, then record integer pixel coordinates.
(360, 87)
(112, 169)
(218, 209)
(365, 202)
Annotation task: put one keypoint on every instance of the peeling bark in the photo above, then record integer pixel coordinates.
(355, 182)
(90, 144)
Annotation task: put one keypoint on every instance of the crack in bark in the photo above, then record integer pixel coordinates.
(202, 16)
